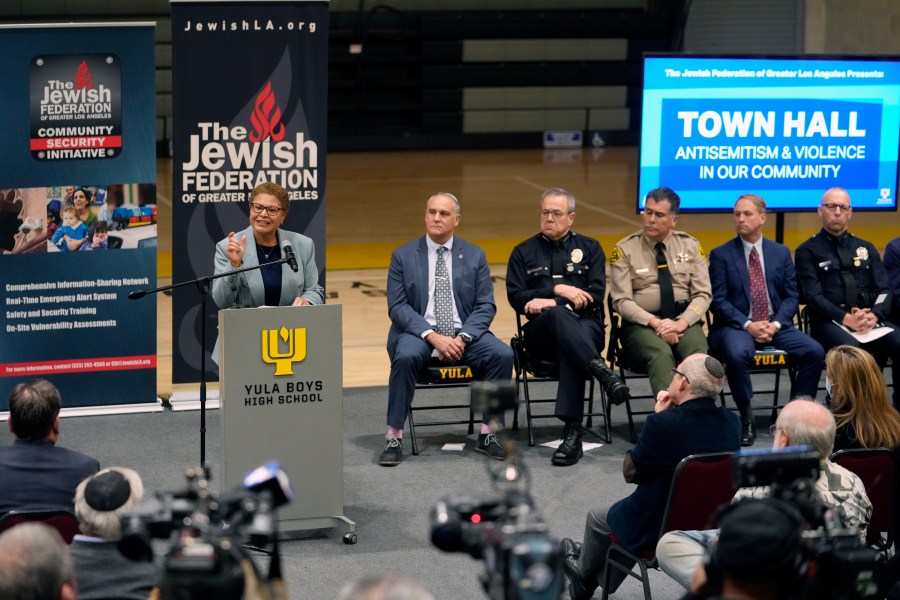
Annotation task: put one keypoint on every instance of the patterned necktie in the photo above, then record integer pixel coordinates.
(759, 296)
(664, 278)
(443, 308)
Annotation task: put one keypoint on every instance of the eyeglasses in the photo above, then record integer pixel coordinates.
(834, 207)
(556, 214)
(773, 428)
(270, 210)
(683, 376)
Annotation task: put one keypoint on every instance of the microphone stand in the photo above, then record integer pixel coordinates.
(202, 284)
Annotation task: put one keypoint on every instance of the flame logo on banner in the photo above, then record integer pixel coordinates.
(83, 77)
(296, 348)
(266, 117)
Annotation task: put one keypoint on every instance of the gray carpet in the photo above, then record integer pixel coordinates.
(389, 505)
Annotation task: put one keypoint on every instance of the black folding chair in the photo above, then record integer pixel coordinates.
(531, 369)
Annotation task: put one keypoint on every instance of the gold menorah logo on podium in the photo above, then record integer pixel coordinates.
(295, 342)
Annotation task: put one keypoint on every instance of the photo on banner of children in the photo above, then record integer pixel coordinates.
(77, 218)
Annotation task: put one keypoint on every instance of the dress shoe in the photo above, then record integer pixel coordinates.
(748, 433)
(570, 547)
(569, 450)
(489, 445)
(392, 453)
(614, 387)
(578, 589)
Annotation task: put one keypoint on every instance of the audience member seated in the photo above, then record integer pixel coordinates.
(35, 564)
(687, 421)
(383, 587)
(102, 572)
(34, 471)
(864, 415)
(758, 555)
(801, 422)
(859, 401)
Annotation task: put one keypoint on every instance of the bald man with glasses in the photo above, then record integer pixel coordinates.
(845, 287)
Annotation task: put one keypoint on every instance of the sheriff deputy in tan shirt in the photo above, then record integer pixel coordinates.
(656, 331)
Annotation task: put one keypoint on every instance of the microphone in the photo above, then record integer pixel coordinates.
(270, 477)
(290, 256)
(137, 294)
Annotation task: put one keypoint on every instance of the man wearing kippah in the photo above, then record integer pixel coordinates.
(100, 568)
(34, 471)
(801, 422)
(686, 421)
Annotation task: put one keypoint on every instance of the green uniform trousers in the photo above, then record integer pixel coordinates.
(643, 348)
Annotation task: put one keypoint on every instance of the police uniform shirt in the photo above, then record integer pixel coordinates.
(529, 274)
(822, 284)
(634, 282)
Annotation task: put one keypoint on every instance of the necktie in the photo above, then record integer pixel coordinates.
(558, 259)
(759, 295)
(846, 258)
(666, 292)
(443, 307)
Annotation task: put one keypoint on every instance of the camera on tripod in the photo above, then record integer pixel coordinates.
(837, 564)
(522, 561)
(207, 532)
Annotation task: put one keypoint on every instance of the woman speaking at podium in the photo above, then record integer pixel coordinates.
(295, 283)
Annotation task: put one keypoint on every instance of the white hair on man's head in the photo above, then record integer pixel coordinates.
(107, 524)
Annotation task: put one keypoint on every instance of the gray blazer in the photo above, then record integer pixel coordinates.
(246, 289)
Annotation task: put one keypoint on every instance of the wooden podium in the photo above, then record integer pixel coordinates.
(280, 382)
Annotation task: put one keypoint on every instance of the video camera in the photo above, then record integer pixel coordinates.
(838, 564)
(206, 557)
(522, 561)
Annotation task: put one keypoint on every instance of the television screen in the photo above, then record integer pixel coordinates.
(784, 128)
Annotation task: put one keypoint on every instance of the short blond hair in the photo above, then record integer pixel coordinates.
(757, 201)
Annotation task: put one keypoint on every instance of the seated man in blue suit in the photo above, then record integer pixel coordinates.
(686, 421)
(892, 268)
(441, 303)
(34, 471)
(755, 298)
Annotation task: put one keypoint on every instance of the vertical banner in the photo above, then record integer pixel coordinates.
(250, 95)
(78, 211)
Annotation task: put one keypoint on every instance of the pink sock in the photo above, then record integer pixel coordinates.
(394, 433)
(485, 428)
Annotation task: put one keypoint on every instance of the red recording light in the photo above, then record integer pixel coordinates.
(476, 518)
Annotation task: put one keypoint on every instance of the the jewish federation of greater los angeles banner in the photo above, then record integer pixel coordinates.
(250, 91)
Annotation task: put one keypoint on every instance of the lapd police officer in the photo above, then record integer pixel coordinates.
(843, 281)
(557, 279)
(659, 284)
